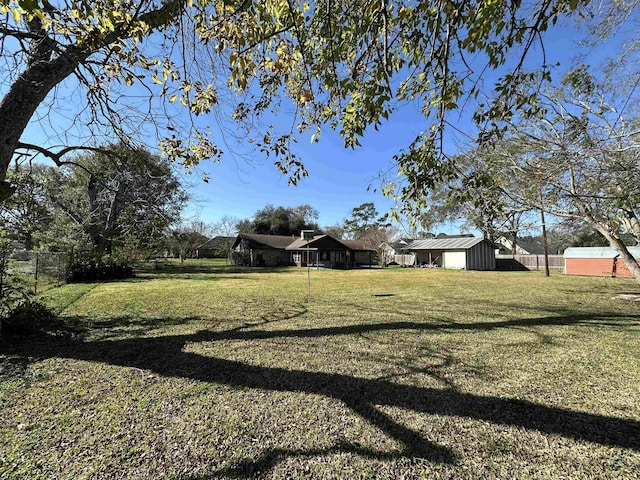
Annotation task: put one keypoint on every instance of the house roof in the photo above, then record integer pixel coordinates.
(212, 242)
(302, 244)
(357, 245)
(446, 243)
(598, 252)
(324, 242)
(526, 245)
(268, 241)
(532, 245)
(401, 243)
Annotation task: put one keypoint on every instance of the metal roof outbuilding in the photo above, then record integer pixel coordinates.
(467, 253)
(457, 243)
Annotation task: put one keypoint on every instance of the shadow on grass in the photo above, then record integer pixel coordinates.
(80, 325)
(571, 320)
(172, 271)
(197, 276)
(166, 356)
(135, 326)
(252, 467)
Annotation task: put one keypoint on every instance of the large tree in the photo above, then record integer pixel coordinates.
(27, 214)
(272, 220)
(344, 63)
(226, 226)
(581, 159)
(475, 197)
(183, 242)
(363, 220)
(128, 198)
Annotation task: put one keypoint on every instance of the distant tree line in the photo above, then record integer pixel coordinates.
(272, 220)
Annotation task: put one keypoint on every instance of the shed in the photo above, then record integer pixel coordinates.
(462, 253)
(597, 261)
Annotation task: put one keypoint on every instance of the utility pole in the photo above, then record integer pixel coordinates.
(544, 237)
(308, 236)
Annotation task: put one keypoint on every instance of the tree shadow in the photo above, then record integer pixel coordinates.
(251, 467)
(199, 276)
(611, 319)
(177, 270)
(13, 367)
(166, 356)
(78, 325)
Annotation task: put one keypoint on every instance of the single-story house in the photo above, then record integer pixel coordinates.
(216, 247)
(256, 250)
(524, 246)
(326, 251)
(362, 253)
(462, 253)
(319, 251)
(597, 261)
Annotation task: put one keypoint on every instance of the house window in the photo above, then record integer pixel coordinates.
(324, 255)
(297, 257)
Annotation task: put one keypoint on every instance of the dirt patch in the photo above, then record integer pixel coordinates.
(634, 297)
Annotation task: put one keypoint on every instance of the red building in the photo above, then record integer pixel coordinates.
(597, 262)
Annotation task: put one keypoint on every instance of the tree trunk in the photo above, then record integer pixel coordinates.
(28, 241)
(25, 96)
(43, 73)
(627, 258)
(621, 248)
(632, 224)
(613, 239)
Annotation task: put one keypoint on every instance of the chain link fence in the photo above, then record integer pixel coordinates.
(42, 270)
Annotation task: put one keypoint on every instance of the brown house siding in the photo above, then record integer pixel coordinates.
(263, 257)
(363, 258)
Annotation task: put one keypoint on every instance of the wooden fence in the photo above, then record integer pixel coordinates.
(529, 262)
(405, 260)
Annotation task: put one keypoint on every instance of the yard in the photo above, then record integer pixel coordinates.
(399, 373)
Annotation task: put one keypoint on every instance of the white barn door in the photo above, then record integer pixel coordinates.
(455, 260)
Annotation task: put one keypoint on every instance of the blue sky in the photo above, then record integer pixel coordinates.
(338, 178)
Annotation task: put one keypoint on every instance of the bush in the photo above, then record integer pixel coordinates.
(15, 289)
(90, 269)
(27, 318)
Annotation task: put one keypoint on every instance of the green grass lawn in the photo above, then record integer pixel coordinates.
(398, 373)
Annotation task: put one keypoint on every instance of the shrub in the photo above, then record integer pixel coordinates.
(27, 318)
(90, 268)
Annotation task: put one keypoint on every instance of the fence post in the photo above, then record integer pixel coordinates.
(58, 256)
(2, 267)
(35, 287)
